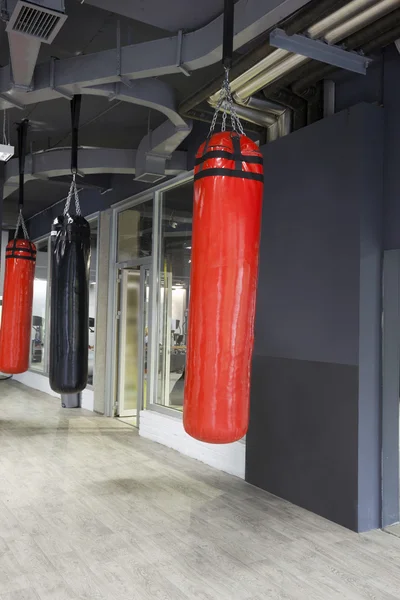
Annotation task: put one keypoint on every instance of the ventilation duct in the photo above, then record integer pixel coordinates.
(29, 25)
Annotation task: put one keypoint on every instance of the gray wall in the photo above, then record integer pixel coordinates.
(314, 422)
(381, 86)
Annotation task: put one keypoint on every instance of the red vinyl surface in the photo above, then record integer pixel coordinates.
(224, 269)
(16, 318)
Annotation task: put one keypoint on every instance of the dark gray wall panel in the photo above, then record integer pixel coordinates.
(302, 442)
(315, 398)
(370, 189)
(309, 270)
(392, 150)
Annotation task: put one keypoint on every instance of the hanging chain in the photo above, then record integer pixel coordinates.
(73, 190)
(21, 223)
(226, 105)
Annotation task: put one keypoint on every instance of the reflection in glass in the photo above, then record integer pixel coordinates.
(38, 331)
(133, 338)
(92, 300)
(129, 336)
(135, 232)
(175, 259)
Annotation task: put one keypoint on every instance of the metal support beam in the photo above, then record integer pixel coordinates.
(12, 102)
(92, 161)
(317, 50)
(152, 93)
(199, 49)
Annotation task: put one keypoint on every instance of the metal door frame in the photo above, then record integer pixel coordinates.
(155, 194)
(142, 265)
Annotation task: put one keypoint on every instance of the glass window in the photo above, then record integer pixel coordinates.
(40, 286)
(92, 299)
(135, 232)
(175, 259)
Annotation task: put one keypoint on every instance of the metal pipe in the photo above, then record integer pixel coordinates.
(280, 116)
(269, 75)
(255, 116)
(363, 19)
(376, 35)
(300, 21)
(295, 60)
(242, 84)
(252, 115)
(269, 61)
(338, 17)
(285, 123)
(264, 105)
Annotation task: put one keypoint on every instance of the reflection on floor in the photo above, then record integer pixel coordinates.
(129, 421)
(89, 510)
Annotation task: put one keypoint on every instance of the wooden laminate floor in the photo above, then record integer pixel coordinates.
(89, 510)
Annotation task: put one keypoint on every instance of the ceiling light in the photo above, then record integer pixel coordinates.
(6, 152)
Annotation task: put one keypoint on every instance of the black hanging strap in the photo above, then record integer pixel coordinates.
(237, 151)
(227, 50)
(75, 114)
(22, 134)
(225, 102)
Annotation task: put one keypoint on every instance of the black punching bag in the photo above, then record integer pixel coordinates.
(69, 321)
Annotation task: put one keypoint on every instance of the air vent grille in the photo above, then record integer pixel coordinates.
(149, 177)
(36, 21)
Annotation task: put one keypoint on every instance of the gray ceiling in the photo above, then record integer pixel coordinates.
(91, 27)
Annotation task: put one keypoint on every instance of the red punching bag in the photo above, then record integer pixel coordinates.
(228, 189)
(16, 317)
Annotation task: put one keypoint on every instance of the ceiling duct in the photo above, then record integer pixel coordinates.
(29, 25)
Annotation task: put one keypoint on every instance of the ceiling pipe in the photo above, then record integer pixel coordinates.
(280, 116)
(339, 17)
(314, 31)
(265, 105)
(257, 117)
(375, 36)
(375, 12)
(314, 71)
(285, 65)
(296, 23)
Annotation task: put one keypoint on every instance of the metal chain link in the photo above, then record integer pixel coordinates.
(21, 223)
(226, 105)
(72, 190)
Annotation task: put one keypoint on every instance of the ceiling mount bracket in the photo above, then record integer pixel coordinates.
(179, 62)
(12, 102)
(19, 86)
(121, 78)
(321, 51)
(53, 79)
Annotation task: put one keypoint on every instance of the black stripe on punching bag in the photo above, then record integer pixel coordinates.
(251, 160)
(237, 151)
(229, 173)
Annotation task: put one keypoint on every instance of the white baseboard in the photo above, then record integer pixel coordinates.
(40, 382)
(169, 431)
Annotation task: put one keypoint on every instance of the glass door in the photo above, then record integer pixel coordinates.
(133, 337)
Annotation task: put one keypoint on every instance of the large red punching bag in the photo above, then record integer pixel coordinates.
(228, 189)
(16, 316)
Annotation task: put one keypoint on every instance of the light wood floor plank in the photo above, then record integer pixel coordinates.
(90, 511)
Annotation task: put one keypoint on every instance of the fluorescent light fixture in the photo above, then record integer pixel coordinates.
(6, 152)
